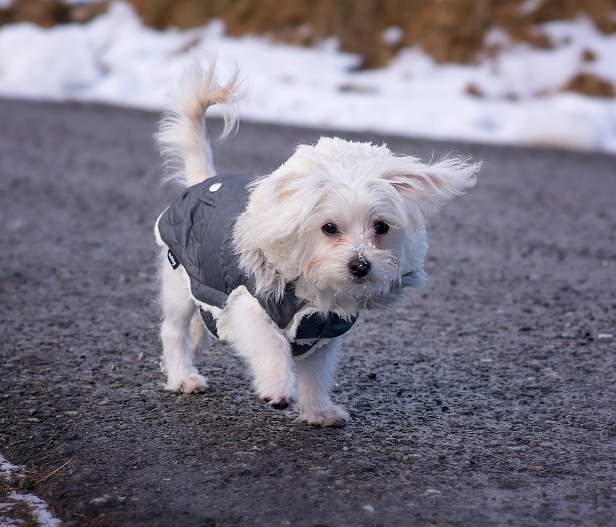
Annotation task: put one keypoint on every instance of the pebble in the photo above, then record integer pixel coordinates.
(432, 493)
(26, 483)
(368, 508)
(102, 503)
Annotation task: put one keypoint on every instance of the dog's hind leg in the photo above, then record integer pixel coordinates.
(179, 311)
(199, 337)
(316, 379)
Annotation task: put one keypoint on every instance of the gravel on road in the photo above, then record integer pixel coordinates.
(487, 399)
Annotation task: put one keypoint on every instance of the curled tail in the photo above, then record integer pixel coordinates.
(182, 137)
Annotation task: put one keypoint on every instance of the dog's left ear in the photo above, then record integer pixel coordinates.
(430, 186)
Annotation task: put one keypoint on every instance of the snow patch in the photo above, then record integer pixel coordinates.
(38, 508)
(516, 96)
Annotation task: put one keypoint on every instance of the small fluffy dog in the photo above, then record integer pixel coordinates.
(281, 265)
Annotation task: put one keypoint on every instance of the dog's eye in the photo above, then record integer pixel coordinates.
(329, 228)
(380, 227)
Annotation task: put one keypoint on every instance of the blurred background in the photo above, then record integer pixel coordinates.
(531, 72)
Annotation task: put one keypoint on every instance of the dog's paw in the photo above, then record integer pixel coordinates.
(333, 415)
(279, 403)
(278, 396)
(192, 383)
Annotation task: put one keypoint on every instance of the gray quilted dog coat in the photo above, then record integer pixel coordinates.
(198, 230)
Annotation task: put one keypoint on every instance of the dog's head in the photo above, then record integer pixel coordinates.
(345, 222)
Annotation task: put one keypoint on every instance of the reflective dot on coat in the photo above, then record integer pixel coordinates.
(214, 187)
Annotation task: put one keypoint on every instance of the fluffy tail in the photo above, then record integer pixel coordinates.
(182, 137)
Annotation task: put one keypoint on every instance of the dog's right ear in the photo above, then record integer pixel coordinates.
(288, 185)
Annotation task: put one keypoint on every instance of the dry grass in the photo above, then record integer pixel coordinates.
(19, 510)
(591, 85)
(448, 30)
(38, 482)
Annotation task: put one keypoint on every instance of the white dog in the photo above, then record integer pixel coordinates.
(280, 266)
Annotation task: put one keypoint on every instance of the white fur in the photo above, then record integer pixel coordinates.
(353, 185)
(316, 379)
(257, 339)
(279, 239)
(182, 136)
(179, 311)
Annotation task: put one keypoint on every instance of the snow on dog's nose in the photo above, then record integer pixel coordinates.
(359, 267)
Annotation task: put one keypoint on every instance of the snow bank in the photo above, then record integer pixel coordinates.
(116, 59)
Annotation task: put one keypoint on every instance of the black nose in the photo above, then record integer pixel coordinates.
(359, 267)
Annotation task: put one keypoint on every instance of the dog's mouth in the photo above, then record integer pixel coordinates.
(360, 277)
(366, 287)
(371, 284)
(360, 280)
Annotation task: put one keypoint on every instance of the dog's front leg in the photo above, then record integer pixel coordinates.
(256, 338)
(316, 380)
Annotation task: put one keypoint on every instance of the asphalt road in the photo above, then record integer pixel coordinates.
(488, 399)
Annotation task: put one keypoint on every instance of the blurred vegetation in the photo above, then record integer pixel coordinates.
(448, 30)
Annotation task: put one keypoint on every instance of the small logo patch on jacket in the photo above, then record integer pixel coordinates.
(173, 259)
